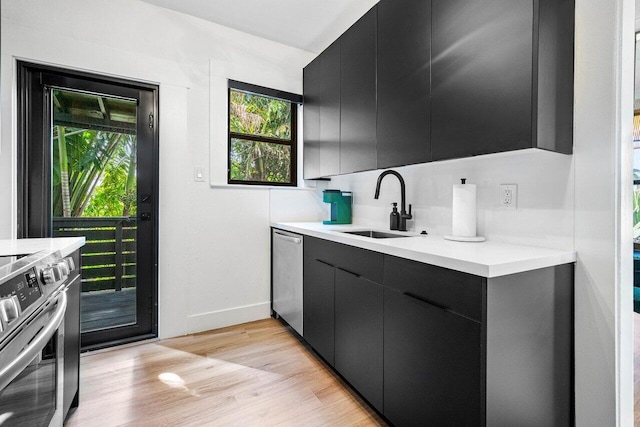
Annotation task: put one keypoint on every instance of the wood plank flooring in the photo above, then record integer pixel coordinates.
(255, 374)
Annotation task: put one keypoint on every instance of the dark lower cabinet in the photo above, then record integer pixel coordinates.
(318, 303)
(432, 364)
(358, 334)
(71, 377)
(439, 347)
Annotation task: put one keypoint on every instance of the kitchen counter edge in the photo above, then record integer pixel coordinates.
(487, 259)
(65, 245)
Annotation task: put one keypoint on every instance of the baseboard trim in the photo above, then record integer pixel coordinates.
(228, 317)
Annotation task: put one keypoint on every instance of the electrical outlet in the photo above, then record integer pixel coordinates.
(508, 196)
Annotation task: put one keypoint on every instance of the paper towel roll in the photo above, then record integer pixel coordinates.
(464, 210)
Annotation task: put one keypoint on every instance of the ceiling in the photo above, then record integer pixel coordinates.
(310, 25)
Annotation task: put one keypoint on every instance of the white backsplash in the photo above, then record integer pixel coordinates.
(544, 213)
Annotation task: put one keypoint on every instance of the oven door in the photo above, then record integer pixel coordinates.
(31, 369)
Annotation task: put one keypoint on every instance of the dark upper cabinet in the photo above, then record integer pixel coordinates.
(330, 111)
(495, 67)
(447, 79)
(404, 78)
(358, 95)
(358, 334)
(312, 89)
(321, 132)
(553, 76)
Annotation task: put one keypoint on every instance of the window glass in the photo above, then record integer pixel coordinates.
(258, 115)
(262, 140)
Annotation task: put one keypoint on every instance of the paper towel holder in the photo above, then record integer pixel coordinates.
(465, 238)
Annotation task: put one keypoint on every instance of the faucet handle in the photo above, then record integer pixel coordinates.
(408, 215)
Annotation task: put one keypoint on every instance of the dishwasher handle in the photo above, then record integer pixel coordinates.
(296, 240)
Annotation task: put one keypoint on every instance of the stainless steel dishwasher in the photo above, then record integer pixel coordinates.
(287, 277)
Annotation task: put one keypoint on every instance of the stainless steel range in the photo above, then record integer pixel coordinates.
(33, 303)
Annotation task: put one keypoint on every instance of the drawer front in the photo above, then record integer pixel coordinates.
(360, 262)
(450, 290)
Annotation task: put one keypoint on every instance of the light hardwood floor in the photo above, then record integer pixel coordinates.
(255, 374)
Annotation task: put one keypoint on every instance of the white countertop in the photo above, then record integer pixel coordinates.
(487, 259)
(65, 245)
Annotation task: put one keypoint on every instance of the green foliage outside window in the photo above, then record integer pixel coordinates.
(94, 174)
(261, 138)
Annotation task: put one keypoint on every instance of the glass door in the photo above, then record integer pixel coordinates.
(94, 194)
(98, 152)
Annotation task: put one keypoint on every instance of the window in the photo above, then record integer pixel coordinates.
(262, 135)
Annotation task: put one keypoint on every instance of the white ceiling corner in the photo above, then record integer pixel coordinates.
(309, 25)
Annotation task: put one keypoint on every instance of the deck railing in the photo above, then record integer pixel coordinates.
(109, 256)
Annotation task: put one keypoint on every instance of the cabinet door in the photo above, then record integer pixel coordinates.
(404, 78)
(358, 337)
(358, 95)
(432, 364)
(312, 77)
(330, 110)
(481, 73)
(318, 308)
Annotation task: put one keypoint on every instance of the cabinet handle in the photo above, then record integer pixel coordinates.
(348, 272)
(424, 300)
(324, 262)
(438, 306)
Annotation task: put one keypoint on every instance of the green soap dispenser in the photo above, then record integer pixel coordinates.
(340, 206)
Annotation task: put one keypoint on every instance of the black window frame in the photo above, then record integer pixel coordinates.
(292, 98)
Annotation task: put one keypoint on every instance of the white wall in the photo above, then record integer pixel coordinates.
(544, 214)
(603, 229)
(214, 241)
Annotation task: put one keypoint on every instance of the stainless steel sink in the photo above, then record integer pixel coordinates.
(376, 234)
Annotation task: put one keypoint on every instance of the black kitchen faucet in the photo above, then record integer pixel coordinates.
(404, 216)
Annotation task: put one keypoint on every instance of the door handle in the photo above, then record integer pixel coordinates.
(144, 216)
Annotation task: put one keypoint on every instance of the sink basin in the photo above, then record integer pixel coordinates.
(376, 234)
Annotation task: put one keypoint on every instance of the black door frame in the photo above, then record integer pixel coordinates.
(34, 172)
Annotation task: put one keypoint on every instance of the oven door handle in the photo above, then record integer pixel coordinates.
(9, 372)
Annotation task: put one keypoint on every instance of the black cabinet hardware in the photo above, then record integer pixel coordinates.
(438, 306)
(325, 262)
(348, 272)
